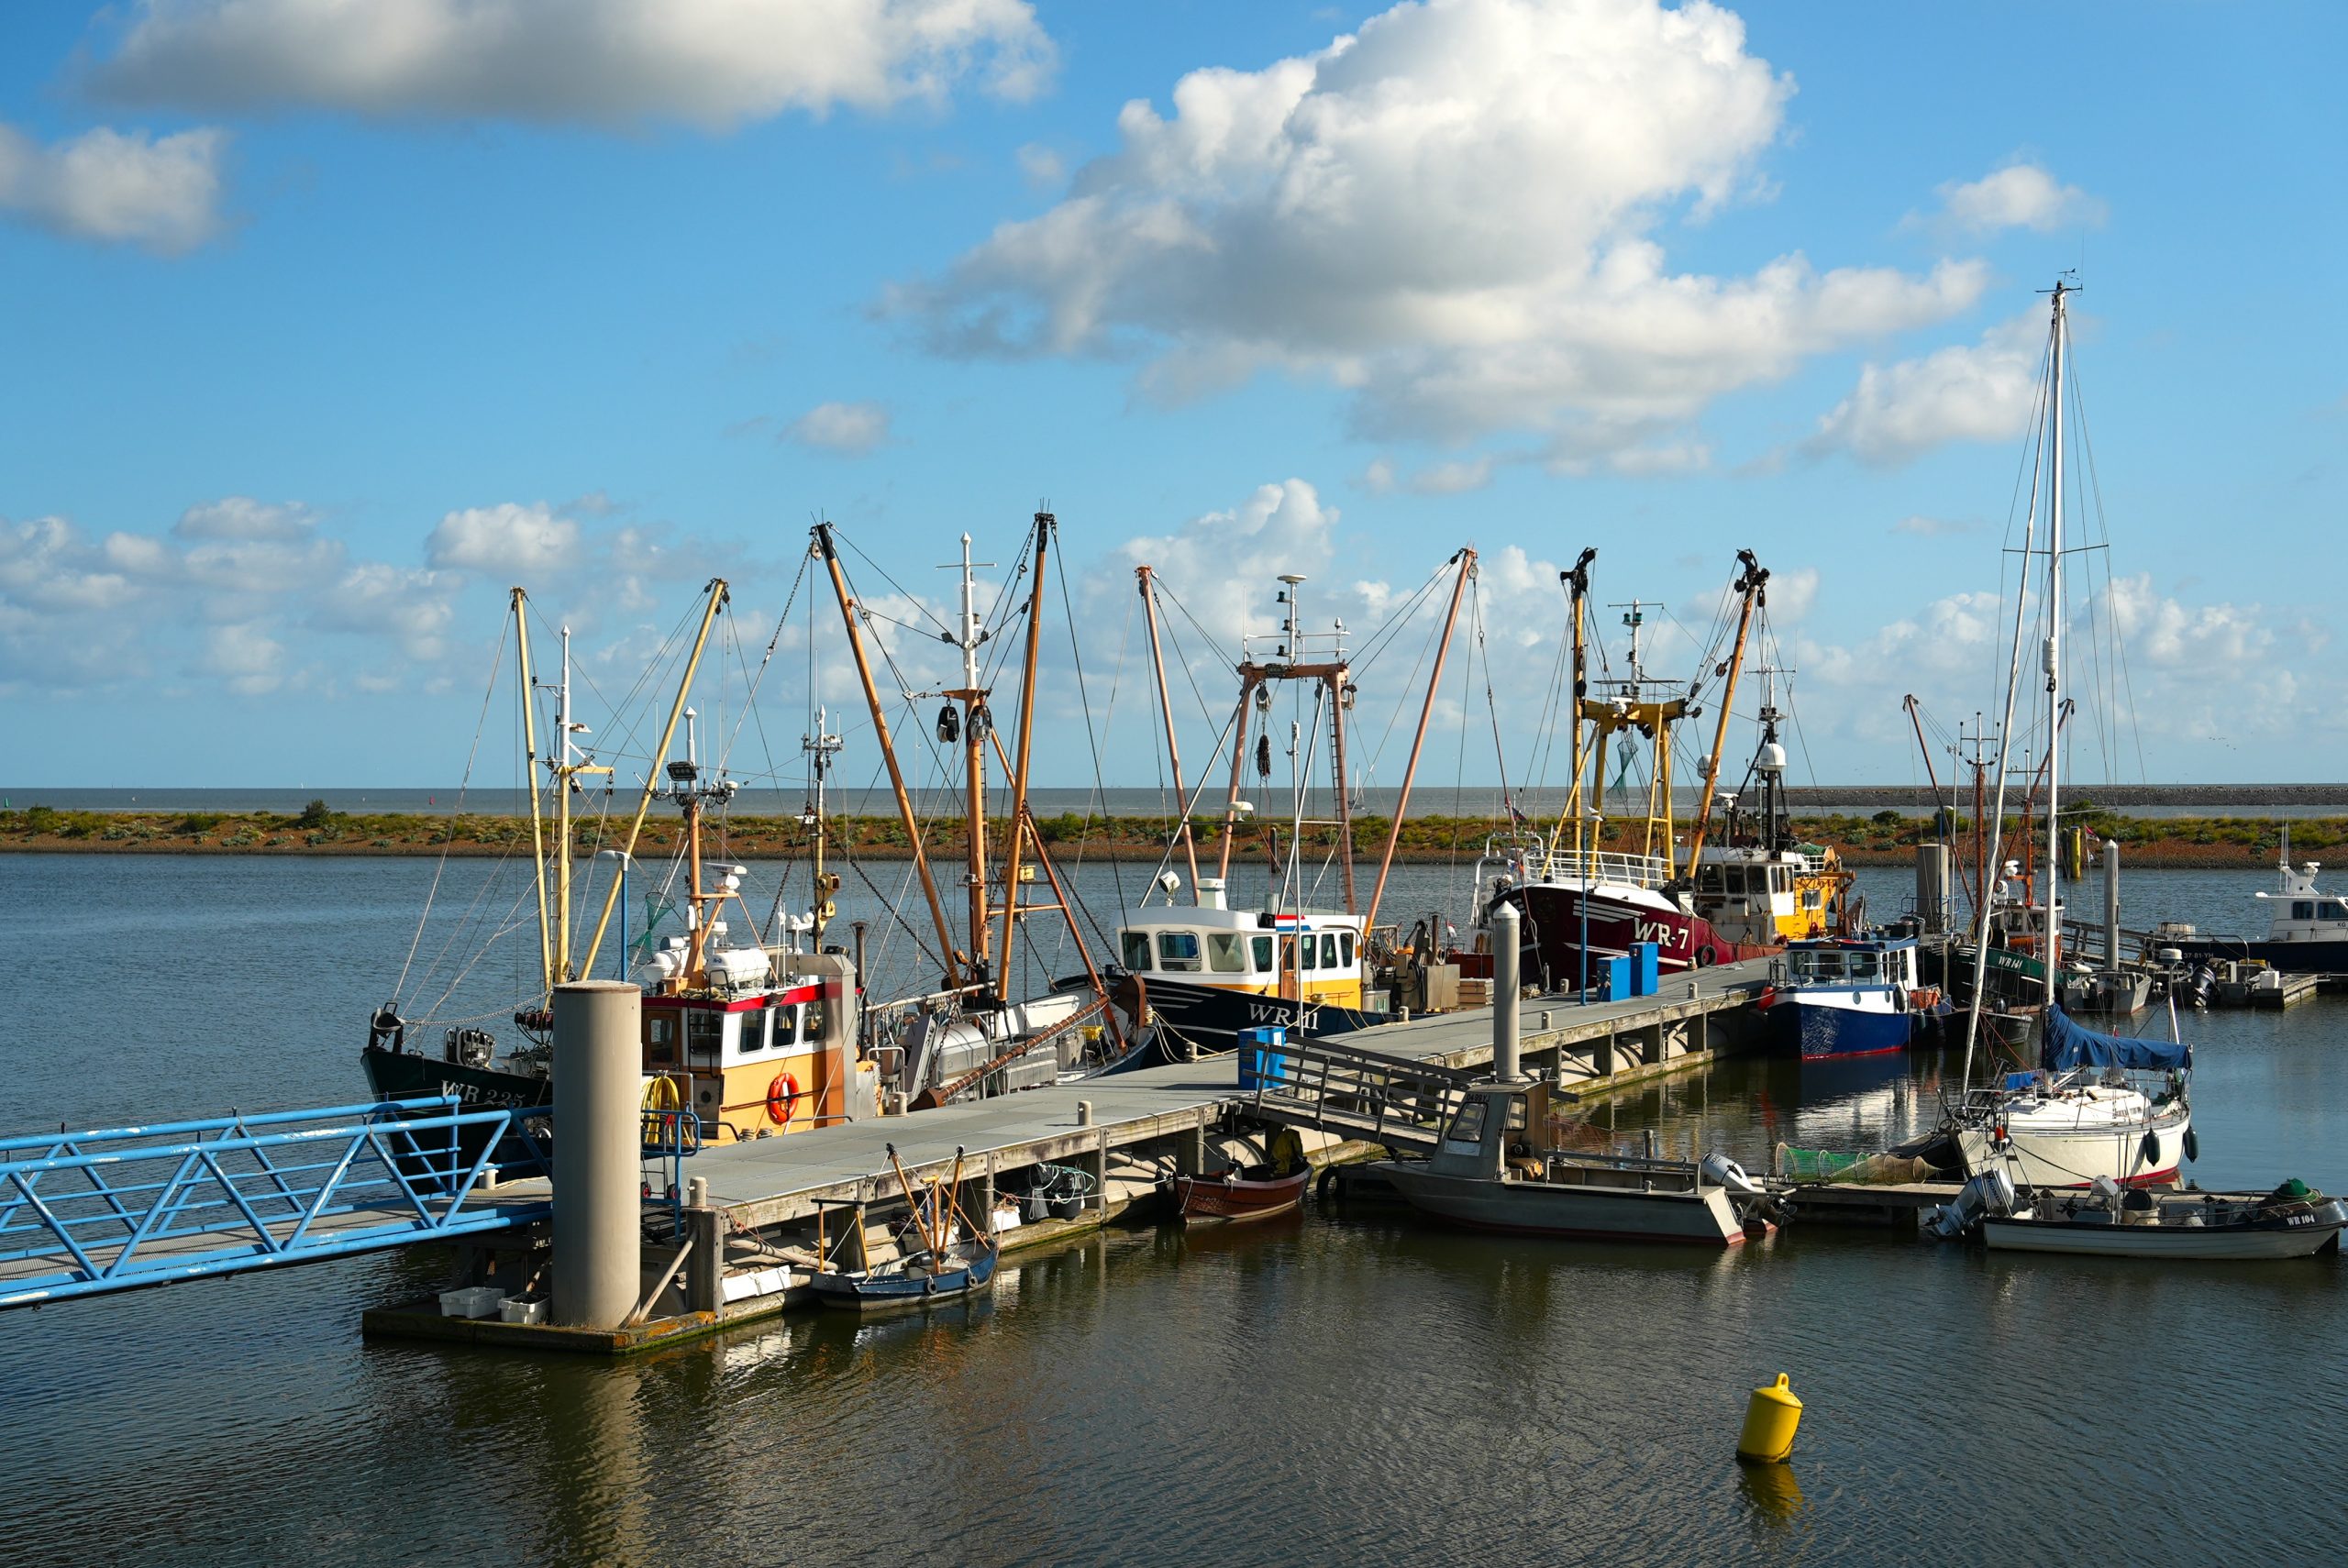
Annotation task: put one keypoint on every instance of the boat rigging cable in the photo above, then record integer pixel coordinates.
(1100, 789)
(473, 753)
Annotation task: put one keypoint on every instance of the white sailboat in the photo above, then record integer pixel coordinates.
(2091, 1111)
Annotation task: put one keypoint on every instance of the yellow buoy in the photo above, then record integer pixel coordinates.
(1769, 1422)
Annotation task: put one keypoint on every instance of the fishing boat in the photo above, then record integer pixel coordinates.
(1847, 997)
(2292, 1221)
(1192, 974)
(1743, 896)
(751, 1037)
(1502, 1165)
(2080, 1116)
(1271, 1187)
(2307, 929)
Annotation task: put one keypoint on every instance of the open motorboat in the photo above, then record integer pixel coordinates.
(1272, 1186)
(1502, 1166)
(2107, 1220)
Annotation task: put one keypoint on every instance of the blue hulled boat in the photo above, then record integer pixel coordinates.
(1847, 997)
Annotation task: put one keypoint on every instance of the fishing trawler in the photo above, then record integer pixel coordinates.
(1838, 997)
(1189, 977)
(1743, 898)
(752, 1038)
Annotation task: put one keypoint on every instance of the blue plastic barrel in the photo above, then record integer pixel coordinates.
(1263, 1057)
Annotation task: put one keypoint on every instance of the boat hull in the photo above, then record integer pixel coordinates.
(1820, 1030)
(2214, 1242)
(2075, 1156)
(890, 1292)
(1236, 1198)
(1552, 933)
(406, 1075)
(2290, 957)
(1580, 1213)
(1202, 1021)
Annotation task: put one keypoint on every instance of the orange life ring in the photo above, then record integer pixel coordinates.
(782, 1097)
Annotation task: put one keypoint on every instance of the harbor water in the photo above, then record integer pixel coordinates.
(1349, 1385)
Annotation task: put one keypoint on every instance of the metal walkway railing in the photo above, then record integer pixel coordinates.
(1361, 1094)
(88, 1213)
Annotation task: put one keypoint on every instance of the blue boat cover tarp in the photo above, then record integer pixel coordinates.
(2072, 1045)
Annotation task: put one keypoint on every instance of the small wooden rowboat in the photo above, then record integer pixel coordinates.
(1252, 1192)
(914, 1282)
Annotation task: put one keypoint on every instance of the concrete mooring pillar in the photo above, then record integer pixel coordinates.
(1931, 887)
(598, 1107)
(1507, 1064)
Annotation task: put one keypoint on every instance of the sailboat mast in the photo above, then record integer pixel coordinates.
(2052, 952)
(1147, 579)
(1044, 522)
(1577, 582)
(1466, 561)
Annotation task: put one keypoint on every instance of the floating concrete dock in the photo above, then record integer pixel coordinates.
(1125, 1130)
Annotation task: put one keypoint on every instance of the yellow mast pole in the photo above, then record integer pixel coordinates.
(1239, 761)
(660, 754)
(1467, 559)
(530, 775)
(945, 950)
(1044, 522)
(1749, 583)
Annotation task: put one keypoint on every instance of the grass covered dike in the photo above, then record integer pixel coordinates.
(1886, 838)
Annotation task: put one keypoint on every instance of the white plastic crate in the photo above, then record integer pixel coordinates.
(514, 1311)
(472, 1301)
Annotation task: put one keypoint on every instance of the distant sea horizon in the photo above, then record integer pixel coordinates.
(1484, 800)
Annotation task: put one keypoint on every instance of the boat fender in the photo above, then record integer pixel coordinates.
(1706, 958)
(2150, 1149)
(387, 1028)
(2192, 1144)
(782, 1097)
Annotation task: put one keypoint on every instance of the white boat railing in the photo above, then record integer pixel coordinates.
(1589, 864)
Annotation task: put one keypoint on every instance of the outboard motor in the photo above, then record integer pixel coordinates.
(2199, 982)
(1991, 1192)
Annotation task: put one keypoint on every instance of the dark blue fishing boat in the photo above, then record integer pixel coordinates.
(967, 1266)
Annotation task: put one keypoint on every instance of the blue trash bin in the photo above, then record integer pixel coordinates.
(1642, 969)
(1611, 977)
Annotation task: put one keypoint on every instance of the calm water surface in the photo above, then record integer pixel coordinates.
(1347, 1386)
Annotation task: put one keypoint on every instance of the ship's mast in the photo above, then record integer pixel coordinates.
(975, 722)
(1577, 582)
(821, 746)
(2052, 952)
(1752, 588)
(520, 602)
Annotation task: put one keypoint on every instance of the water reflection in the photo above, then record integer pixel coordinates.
(1771, 1491)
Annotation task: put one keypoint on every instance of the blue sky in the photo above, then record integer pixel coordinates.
(325, 323)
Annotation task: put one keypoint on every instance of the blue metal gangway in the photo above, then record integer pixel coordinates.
(89, 1213)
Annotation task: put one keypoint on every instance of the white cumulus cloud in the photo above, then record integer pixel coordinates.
(713, 64)
(854, 428)
(1452, 214)
(509, 538)
(119, 186)
(1981, 392)
(2021, 196)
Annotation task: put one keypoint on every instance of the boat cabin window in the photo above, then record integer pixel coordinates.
(1812, 897)
(1137, 944)
(1866, 966)
(1329, 950)
(754, 1031)
(1177, 951)
(786, 1025)
(1468, 1127)
(660, 1039)
(1311, 951)
(705, 1033)
(1263, 954)
(2333, 910)
(1345, 947)
(811, 1023)
(1826, 965)
(2303, 910)
(1781, 879)
(1226, 952)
